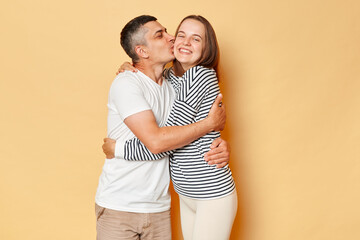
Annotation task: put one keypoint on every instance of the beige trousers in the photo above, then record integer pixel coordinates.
(114, 225)
(208, 219)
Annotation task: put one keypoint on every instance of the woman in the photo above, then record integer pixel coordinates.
(208, 200)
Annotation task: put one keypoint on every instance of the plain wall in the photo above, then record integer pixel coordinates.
(290, 73)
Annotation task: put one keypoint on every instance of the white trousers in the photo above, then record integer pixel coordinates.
(208, 219)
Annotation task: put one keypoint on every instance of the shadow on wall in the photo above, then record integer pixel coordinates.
(227, 86)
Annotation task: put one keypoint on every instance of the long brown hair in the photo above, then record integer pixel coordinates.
(211, 53)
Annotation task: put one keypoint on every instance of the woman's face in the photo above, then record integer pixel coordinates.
(189, 43)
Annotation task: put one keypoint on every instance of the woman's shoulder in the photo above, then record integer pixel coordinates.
(200, 73)
(201, 69)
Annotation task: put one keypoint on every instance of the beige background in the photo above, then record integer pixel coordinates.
(291, 79)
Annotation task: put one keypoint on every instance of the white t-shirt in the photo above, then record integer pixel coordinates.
(135, 186)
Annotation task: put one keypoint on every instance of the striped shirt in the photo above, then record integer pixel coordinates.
(191, 175)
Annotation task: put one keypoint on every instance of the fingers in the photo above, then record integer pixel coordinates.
(218, 100)
(219, 163)
(109, 140)
(210, 155)
(215, 143)
(220, 149)
(217, 114)
(218, 158)
(126, 66)
(119, 71)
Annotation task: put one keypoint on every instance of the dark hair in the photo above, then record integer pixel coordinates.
(210, 55)
(133, 34)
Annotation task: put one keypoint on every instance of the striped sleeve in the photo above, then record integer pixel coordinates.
(195, 97)
(203, 94)
(191, 175)
(198, 92)
(135, 150)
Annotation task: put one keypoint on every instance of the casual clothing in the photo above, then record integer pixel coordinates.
(192, 176)
(142, 186)
(112, 224)
(208, 200)
(208, 220)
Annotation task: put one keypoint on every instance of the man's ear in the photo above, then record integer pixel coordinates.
(141, 51)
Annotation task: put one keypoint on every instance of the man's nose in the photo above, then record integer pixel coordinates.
(171, 38)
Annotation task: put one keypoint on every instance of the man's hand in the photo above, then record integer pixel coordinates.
(217, 114)
(219, 153)
(109, 148)
(126, 66)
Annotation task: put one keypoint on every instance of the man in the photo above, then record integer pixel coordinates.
(132, 199)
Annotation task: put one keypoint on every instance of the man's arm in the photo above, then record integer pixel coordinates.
(161, 139)
(167, 138)
(135, 150)
(126, 90)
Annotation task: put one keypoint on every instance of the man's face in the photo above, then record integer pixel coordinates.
(160, 44)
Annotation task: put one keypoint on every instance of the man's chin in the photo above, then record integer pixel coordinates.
(171, 59)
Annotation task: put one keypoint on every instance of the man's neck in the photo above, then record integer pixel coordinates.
(152, 71)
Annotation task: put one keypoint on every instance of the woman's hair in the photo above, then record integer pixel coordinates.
(210, 54)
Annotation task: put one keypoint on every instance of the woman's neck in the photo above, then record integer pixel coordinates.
(179, 70)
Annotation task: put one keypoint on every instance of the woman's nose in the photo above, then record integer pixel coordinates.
(186, 41)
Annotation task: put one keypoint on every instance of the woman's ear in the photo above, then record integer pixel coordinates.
(141, 51)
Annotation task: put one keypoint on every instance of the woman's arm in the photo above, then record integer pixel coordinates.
(195, 98)
(136, 151)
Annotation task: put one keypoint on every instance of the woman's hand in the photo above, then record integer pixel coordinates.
(126, 66)
(109, 148)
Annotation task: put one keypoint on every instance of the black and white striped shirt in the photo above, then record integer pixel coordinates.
(191, 175)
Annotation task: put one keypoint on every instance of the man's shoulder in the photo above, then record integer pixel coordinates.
(127, 79)
(126, 76)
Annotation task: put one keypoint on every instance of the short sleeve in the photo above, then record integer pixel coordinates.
(127, 96)
(200, 87)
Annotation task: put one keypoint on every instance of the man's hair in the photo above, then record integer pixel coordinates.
(210, 55)
(133, 35)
